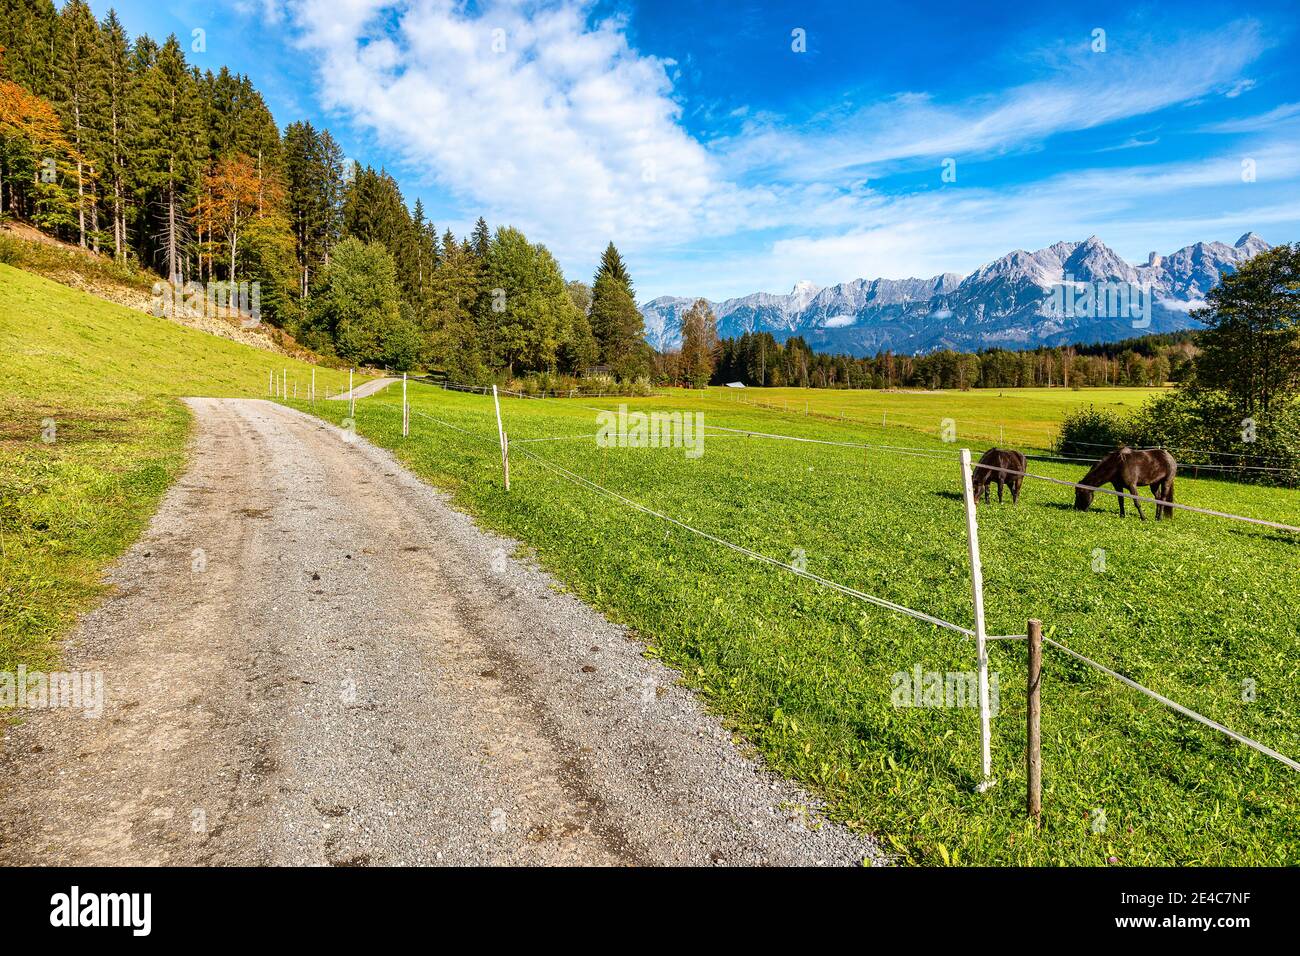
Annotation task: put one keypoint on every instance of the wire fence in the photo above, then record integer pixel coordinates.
(876, 600)
(996, 432)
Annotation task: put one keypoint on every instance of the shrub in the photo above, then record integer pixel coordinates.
(1203, 427)
(1199, 427)
(1090, 432)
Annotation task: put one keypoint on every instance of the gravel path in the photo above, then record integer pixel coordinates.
(364, 389)
(310, 658)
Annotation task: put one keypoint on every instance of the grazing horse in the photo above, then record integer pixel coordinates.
(1013, 461)
(1127, 469)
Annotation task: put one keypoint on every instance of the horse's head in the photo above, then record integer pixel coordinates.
(1082, 499)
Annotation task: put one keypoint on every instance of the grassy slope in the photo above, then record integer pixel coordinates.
(1191, 607)
(108, 377)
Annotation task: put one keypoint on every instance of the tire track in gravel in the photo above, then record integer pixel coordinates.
(311, 659)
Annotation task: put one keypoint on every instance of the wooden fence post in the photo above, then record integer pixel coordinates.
(1034, 714)
(981, 643)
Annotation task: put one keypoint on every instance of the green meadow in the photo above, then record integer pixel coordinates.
(1199, 609)
(1023, 417)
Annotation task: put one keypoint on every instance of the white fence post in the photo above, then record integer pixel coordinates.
(406, 410)
(352, 399)
(981, 644)
(505, 458)
(313, 383)
(501, 437)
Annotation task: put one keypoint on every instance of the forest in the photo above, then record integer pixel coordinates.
(758, 359)
(123, 147)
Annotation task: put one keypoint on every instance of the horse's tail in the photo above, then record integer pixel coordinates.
(1169, 494)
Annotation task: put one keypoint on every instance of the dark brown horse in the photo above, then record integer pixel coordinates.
(1127, 470)
(1013, 461)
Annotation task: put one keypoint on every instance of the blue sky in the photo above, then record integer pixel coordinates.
(722, 160)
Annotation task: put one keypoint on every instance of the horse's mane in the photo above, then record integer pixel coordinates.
(1104, 470)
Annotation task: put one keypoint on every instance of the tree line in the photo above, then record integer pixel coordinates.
(1237, 407)
(127, 149)
(758, 359)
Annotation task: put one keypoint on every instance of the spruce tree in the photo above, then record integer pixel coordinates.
(169, 127)
(115, 158)
(615, 321)
(482, 238)
(80, 96)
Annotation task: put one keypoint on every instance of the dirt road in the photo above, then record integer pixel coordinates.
(364, 389)
(312, 659)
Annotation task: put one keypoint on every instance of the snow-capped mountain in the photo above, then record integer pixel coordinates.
(1068, 292)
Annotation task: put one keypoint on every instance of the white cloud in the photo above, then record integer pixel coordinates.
(1179, 305)
(1287, 112)
(1084, 91)
(543, 116)
(1135, 210)
(1133, 142)
(534, 115)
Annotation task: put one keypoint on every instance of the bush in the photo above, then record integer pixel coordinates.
(546, 383)
(1203, 427)
(1091, 432)
(1199, 427)
(10, 253)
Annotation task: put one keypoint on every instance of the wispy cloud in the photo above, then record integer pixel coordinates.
(1083, 90)
(1263, 122)
(1133, 142)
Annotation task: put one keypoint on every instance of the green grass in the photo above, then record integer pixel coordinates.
(1024, 417)
(108, 379)
(1191, 608)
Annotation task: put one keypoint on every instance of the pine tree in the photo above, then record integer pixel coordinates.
(27, 33)
(80, 71)
(114, 157)
(374, 211)
(482, 238)
(169, 126)
(615, 321)
(313, 169)
(452, 339)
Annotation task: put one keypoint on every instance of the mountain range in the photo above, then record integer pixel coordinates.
(1069, 292)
